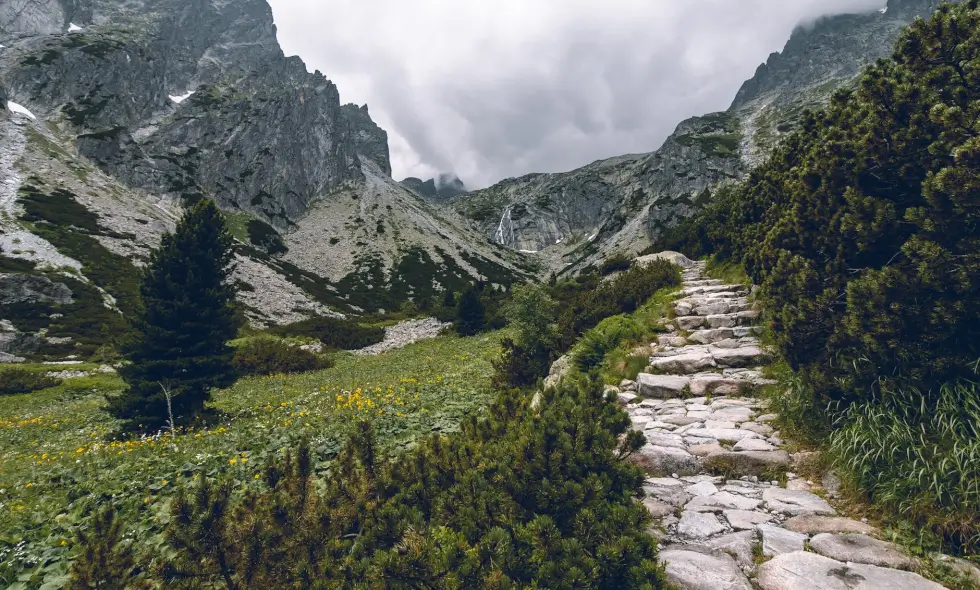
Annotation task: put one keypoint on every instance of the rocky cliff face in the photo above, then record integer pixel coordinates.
(575, 219)
(438, 190)
(123, 110)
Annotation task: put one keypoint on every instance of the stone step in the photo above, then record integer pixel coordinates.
(706, 308)
(704, 283)
(712, 289)
(704, 359)
(736, 382)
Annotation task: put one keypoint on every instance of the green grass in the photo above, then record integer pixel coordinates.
(57, 460)
(728, 271)
(623, 362)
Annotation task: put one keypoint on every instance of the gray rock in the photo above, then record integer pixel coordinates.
(738, 545)
(684, 364)
(794, 503)
(627, 385)
(699, 525)
(703, 488)
(688, 569)
(666, 460)
(32, 289)
(657, 508)
(746, 520)
(722, 501)
(661, 386)
(745, 356)
(859, 548)
(812, 524)
(690, 322)
(753, 444)
(709, 336)
(10, 359)
(705, 449)
(626, 398)
(808, 571)
(760, 429)
(680, 420)
(727, 434)
(777, 540)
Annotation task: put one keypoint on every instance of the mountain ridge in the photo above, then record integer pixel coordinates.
(573, 220)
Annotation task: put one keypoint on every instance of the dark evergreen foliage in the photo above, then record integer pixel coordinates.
(187, 316)
(519, 498)
(470, 313)
(105, 561)
(271, 356)
(336, 333)
(15, 380)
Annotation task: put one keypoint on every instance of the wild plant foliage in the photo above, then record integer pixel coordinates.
(519, 498)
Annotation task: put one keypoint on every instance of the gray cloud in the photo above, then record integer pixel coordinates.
(498, 89)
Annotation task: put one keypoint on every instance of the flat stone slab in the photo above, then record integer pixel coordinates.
(726, 434)
(808, 571)
(795, 503)
(753, 444)
(748, 462)
(694, 570)
(699, 525)
(738, 545)
(661, 386)
(736, 358)
(777, 540)
(692, 322)
(710, 336)
(812, 524)
(860, 549)
(703, 488)
(722, 501)
(657, 508)
(684, 364)
(746, 520)
(666, 460)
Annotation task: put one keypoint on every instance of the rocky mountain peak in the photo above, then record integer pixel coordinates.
(440, 189)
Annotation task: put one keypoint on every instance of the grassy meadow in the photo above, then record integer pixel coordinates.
(58, 457)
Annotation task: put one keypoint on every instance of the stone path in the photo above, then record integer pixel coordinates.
(729, 512)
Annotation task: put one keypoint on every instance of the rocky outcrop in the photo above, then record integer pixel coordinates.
(439, 189)
(141, 105)
(31, 289)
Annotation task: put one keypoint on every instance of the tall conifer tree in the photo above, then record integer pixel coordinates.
(187, 316)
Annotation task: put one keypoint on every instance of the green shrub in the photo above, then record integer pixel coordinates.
(603, 339)
(16, 380)
(520, 497)
(336, 333)
(264, 236)
(272, 356)
(614, 263)
(918, 456)
(470, 313)
(586, 301)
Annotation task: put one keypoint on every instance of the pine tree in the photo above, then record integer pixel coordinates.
(105, 561)
(187, 316)
(470, 314)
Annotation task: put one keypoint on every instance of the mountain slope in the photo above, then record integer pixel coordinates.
(577, 218)
(128, 109)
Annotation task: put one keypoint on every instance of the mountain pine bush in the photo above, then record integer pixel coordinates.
(518, 498)
(187, 316)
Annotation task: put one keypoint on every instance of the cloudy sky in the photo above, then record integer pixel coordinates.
(503, 88)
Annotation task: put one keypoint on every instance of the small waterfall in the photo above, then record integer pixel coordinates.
(505, 229)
